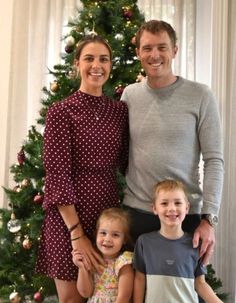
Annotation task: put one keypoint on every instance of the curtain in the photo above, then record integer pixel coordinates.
(181, 14)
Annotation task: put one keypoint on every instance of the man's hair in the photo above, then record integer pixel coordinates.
(169, 185)
(156, 26)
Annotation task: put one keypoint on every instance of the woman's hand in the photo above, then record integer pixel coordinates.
(86, 256)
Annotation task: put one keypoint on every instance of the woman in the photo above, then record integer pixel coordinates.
(85, 142)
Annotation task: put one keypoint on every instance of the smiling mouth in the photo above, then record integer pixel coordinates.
(156, 64)
(96, 74)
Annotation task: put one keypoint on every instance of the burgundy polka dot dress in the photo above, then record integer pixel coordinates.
(85, 141)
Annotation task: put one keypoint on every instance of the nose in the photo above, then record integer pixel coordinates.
(171, 207)
(96, 63)
(155, 53)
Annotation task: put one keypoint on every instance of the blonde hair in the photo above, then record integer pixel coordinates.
(115, 213)
(169, 185)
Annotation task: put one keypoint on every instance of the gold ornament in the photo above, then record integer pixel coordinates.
(27, 243)
(14, 297)
(54, 86)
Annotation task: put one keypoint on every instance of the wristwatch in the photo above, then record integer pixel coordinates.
(211, 219)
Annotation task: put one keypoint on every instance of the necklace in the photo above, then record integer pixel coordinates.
(92, 109)
(95, 106)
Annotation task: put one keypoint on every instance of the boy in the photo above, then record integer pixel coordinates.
(167, 266)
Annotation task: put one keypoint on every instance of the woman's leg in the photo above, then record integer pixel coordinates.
(67, 292)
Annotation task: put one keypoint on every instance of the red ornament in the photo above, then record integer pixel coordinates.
(119, 89)
(39, 198)
(38, 297)
(69, 49)
(127, 13)
(21, 156)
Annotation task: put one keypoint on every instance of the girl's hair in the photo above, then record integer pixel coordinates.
(169, 185)
(156, 26)
(92, 38)
(115, 213)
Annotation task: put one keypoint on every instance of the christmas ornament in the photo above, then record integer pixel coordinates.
(25, 183)
(54, 86)
(127, 12)
(119, 89)
(70, 41)
(39, 198)
(14, 224)
(27, 243)
(17, 189)
(72, 73)
(119, 37)
(69, 49)
(21, 156)
(14, 297)
(38, 296)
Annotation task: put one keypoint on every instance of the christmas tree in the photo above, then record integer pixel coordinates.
(117, 21)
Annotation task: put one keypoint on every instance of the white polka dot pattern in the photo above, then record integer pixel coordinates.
(81, 155)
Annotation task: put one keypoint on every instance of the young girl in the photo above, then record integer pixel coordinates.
(115, 284)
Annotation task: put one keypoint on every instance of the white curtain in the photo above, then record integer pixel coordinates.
(181, 14)
(37, 29)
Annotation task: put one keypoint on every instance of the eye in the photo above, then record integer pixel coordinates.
(163, 48)
(102, 233)
(147, 48)
(88, 58)
(104, 59)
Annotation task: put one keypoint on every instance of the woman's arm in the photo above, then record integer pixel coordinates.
(125, 284)
(205, 291)
(139, 287)
(79, 241)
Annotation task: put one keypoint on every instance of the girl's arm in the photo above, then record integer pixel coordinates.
(139, 287)
(85, 283)
(205, 291)
(125, 284)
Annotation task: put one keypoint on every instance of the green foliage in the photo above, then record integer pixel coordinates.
(117, 21)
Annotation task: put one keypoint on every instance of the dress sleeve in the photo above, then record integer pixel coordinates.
(124, 154)
(59, 188)
(124, 259)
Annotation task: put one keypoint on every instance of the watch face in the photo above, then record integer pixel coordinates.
(213, 220)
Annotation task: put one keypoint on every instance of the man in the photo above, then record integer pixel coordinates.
(173, 121)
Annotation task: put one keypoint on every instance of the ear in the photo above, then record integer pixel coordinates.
(175, 50)
(137, 51)
(154, 209)
(187, 207)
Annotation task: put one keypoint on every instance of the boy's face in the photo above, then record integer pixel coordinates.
(171, 207)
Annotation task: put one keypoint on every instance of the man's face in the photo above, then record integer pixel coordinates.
(156, 53)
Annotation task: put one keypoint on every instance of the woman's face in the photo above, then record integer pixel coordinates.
(94, 66)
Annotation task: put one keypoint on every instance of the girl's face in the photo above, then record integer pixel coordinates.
(110, 238)
(94, 66)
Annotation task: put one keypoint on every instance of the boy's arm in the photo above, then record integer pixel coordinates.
(125, 284)
(139, 287)
(205, 291)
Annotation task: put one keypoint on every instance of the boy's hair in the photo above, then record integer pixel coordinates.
(169, 185)
(115, 213)
(91, 38)
(156, 26)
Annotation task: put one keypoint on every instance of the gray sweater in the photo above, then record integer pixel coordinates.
(170, 128)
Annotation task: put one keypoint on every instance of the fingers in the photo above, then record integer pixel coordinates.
(207, 256)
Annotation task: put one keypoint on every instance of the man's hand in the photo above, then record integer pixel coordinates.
(206, 233)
